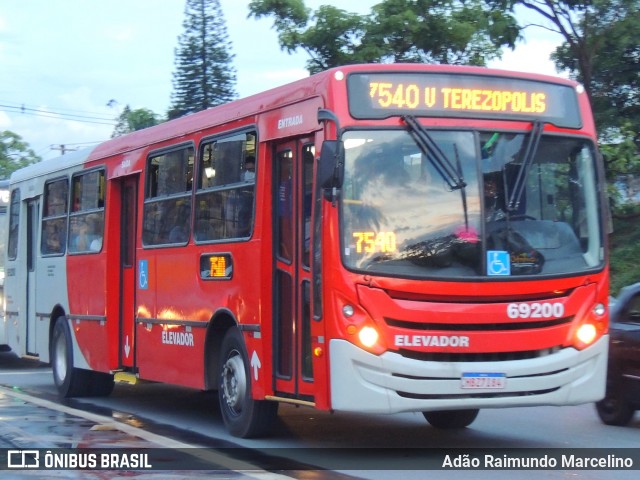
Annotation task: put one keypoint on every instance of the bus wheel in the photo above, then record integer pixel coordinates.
(70, 381)
(242, 415)
(614, 409)
(449, 419)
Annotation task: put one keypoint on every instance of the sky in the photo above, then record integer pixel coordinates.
(68, 67)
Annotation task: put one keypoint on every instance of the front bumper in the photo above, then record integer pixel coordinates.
(391, 383)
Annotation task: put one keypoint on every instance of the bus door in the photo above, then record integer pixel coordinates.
(128, 283)
(293, 171)
(33, 207)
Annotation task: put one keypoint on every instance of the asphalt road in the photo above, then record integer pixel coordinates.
(307, 443)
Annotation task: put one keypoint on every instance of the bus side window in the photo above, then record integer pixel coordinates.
(226, 188)
(86, 222)
(14, 224)
(167, 206)
(54, 217)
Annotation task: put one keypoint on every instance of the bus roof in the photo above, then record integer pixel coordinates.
(51, 165)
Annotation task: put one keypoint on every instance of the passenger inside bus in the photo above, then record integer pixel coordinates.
(95, 227)
(249, 173)
(494, 202)
(86, 233)
(77, 234)
(181, 230)
(53, 241)
(238, 212)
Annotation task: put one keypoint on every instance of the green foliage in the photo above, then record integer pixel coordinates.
(132, 120)
(204, 75)
(621, 154)
(622, 164)
(625, 253)
(14, 154)
(601, 49)
(433, 31)
(615, 85)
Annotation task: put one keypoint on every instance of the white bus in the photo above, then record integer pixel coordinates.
(4, 207)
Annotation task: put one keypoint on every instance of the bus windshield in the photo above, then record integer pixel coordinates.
(500, 208)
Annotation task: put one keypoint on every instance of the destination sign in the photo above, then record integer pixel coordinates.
(382, 95)
(216, 266)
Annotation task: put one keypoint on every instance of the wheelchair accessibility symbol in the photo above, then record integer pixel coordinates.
(498, 262)
(143, 275)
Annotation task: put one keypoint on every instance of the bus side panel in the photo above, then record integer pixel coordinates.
(15, 291)
(171, 352)
(52, 291)
(86, 280)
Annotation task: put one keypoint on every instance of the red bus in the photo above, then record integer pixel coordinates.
(373, 238)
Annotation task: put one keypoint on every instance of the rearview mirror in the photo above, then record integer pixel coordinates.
(331, 166)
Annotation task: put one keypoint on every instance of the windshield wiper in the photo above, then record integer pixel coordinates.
(527, 161)
(431, 150)
(450, 173)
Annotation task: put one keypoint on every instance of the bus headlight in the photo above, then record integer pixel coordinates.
(591, 328)
(368, 336)
(586, 334)
(359, 328)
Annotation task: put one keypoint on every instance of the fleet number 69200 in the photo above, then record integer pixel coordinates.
(535, 310)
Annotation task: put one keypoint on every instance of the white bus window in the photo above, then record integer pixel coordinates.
(54, 217)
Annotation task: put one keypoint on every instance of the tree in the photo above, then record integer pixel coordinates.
(14, 154)
(132, 120)
(622, 163)
(434, 31)
(601, 49)
(204, 76)
(615, 78)
(567, 18)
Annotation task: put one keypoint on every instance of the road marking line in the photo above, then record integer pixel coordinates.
(47, 371)
(200, 452)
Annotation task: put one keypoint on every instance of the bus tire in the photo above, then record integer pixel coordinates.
(242, 415)
(70, 381)
(450, 419)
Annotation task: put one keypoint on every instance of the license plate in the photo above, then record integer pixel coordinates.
(483, 380)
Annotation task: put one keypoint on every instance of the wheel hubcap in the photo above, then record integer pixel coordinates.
(234, 384)
(60, 362)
